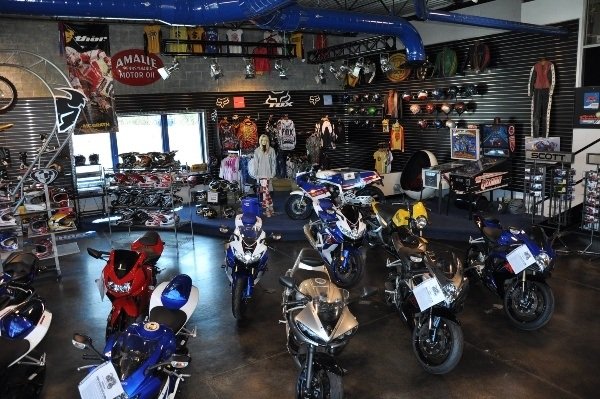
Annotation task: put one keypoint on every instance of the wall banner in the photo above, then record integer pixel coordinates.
(87, 53)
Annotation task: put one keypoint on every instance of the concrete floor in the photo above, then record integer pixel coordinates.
(249, 360)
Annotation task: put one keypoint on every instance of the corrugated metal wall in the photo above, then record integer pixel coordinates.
(31, 119)
(505, 83)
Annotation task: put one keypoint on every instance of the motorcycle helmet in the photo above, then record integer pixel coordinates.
(423, 123)
(60, 198)
(346, 98)
(429, 108)
(121, 178)
(438, 123)
(446, 108)
(233, 186)
(43, 248)
(438, 93)
(200, 197)
(516, 206)
(79, 160)
(228, 212)
(94, 159)
(460, 107)
(415, 109)
(422, 95)
(144, 161)
(450, 124)
(135, 178)
(38, 226)
(366, 98)
(209, 212)
(7, 218)
(376, 98)
(351, 111)
(35, 201)
(452, 91)
(407, 96)
(372, 111)
(356, 98)
(62, 221)
(8, 242)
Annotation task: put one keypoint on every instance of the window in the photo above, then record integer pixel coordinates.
(185, 136)
(139, 133)
(98, 143)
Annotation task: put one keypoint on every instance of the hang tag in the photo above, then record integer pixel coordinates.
(428, 293)
(520, 258)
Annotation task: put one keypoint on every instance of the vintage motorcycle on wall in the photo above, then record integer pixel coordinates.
(515, 265)
(319, 325)
(146, 361)
(338, 235)
(417, 271)
(344, 186)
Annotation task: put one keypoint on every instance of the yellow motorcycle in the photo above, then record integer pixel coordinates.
(387, 218)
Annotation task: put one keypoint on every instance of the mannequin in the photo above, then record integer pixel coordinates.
(264, 170)
(541, 86)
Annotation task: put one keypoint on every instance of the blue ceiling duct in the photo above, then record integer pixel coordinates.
(423, 13)
(295, 17)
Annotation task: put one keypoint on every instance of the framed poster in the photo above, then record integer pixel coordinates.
(464, 144)
(586, 112)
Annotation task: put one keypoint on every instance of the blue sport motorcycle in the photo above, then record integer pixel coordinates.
(145, 360)
(515, 265)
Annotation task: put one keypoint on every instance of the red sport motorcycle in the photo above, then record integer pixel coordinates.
(128, 279)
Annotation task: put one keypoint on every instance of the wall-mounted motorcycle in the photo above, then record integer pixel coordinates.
(437, 337)
(344, 186)
(246, 257)
(338, 235)
(515, 265)
(146, 360)
(319, 325)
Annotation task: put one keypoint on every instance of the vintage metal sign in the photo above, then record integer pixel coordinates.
(135, 68)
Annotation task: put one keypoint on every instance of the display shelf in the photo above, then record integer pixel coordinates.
(50, 233)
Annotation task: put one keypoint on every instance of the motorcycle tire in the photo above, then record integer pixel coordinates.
(442, 356)
(238, 303)
(298, 207)
(374, 192)
(325, 385)
(356, 269)
(9, 95)
(532, 309)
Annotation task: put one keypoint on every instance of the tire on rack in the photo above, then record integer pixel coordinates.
(298, 207)
(530, 308)
(443, 355)
(238, 302)
(9, 97)
(325, 385)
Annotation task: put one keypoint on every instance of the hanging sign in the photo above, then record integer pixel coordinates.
(133, 67)
(45, 175)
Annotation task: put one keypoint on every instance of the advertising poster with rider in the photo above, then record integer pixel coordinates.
(87, 52)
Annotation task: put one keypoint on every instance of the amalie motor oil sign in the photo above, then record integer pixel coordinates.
(135, 68)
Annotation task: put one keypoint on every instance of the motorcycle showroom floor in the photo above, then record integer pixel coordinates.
(249, 360)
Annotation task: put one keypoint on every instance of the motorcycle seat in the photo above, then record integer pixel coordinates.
(20, 265)
(11, 350)
(149, 238)
(492, 233)
(386, 211)
(173, 318)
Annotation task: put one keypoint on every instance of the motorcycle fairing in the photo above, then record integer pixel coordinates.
(187, 308)
(125, 304)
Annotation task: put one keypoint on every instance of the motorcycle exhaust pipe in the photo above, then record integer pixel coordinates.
(309, 236)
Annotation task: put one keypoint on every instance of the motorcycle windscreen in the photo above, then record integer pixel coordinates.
(328, 301)
(351, 213)
(123, 261)
(130, 352)
(249, 234)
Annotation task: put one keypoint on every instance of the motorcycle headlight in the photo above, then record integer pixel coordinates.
(352, 234)
(543, 260)
(119, 288)
(247, 257)
(421, 222)
(306, 331)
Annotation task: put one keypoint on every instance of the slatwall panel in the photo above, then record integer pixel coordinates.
(505, 83)
(302, 112)
(32, 118)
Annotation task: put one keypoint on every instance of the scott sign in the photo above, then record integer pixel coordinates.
(549, 156)
(135, 68)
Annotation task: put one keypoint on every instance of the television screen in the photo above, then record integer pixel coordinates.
(495, 140)
(464, 144)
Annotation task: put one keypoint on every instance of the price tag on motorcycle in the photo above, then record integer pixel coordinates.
(349, 176)
(213, 197)
(103, 382)
(520, 258)
(428, 293)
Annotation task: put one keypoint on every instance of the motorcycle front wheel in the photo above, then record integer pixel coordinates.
(441, 354)
(8, 95)
(324, 385)
(354, 271)
(531, 307)
(298, 207)
(238, 302)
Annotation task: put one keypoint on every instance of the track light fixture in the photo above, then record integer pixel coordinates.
(166, 72)
(320, 76)
(249, 69)
(384, 60)
(279, 68)
(215, 69)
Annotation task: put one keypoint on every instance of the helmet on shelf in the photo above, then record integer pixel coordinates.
(438, 93)
(470, 90)
(422, 95)
(453, 91)
(450, 123)
(415, 108)
(35, 201)
(94, 159)
(229, 212)
(423, 123)
(8, 241)
(407, 96)
(429, 108)
(446, 108)
(460, 107)
(438, 123)
(62, 221)
(38, 226)
(79, 160)
(43, 248)
(7, 218)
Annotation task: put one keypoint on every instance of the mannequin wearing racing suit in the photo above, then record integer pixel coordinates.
(541, 86)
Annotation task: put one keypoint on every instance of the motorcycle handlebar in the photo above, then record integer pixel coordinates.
(302, 301)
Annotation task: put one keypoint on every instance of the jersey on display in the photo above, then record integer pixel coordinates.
(211, 34)
(152, 38)
(247, 133)
(230, 169)
(196, 33)
(397, 137)
(286, 134)
(229, 139)
(297, 39)
(234, 36)
(383, 161)
(178, 33)
(273, 37)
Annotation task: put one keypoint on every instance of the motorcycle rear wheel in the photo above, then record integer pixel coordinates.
(298, 207)
(238, 303)
(530, 309)
(354, 272)
(441, 356)
(324, 385)
(372, 191)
